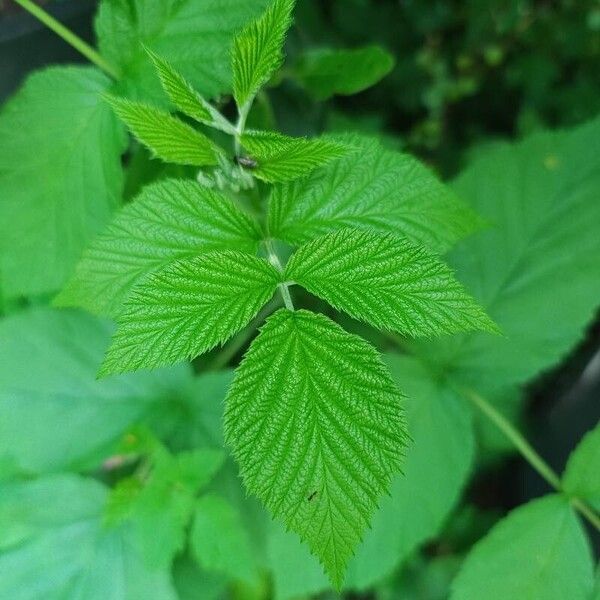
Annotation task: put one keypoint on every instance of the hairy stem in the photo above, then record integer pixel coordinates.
(284, 289)
(241, 126)
(69, 37)
(528, 452)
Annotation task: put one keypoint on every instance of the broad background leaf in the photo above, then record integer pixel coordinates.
(326, 72)
(55, 546)
(194, 36)
(54, 414)
(60, 175)
(373, 188)
(386, 281)
(538, 551)
(188, 308)
(168, 220)
(535, 269)
(304, 373)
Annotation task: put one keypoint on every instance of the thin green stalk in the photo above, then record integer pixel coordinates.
(283, 287)
(69, 37)
(528, 452)
(241, 126)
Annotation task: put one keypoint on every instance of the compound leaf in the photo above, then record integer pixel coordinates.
(258, 50)
(55, 545)
(538, 551)
(219, 539)
(386, 281)
(164, 135)
(185, 98)
(168, 220)
(582, 475)
(188, 308)
(60, 176)
(535, 270)
(283, 158)
(195, 37)
(315, 422)
(371, 188)
(326, 72)
(48, 362)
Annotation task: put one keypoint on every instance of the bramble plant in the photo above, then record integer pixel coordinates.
(316, 253)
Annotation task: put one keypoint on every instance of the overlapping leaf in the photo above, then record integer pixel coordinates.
(326, 72)
(188, 308)
(48, 389)
(258, 50)
(164, 135)
(386, 281)
(60, 176)
(582, 475)
(169, 220)
(55, 545)
(315, 422)
(538, 551)
(372, 188)
(282, 158)
(194, 36)
(535, 270)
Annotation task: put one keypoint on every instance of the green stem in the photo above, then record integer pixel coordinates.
(284, 286)
(528, 452)
(241, 126)
(69, 37)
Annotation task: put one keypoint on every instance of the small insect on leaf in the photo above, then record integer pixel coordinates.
(246, 162)
(312, 496)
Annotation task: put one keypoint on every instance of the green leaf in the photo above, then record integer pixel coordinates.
(582, 475)
(55, 546)
(539, 551)
(60, 176)
(386, 281)
(185, 98)
(220, 541)
(160, 510)
(438, 462)
(188, 308)
(195, 37)
(193, 584)
(48, 362)
(315, 423)
(327, 72)
(535, 270)
(169, 220)
(258, 50)
(373, 188)
(164, 135)
(283, 158)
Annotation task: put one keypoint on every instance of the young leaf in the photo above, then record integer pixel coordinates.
(326, 72)
(283, 158)
(258, 50)
(535, 270)
(188, 308)
(60, 176)
(48, 362)
(194, 36)
(219, 540)
(582, 475)
(315, 422)
(538, 551)
(169, 220)
(56, 546)
(185, 97)
(386, 281)
(372, 188)
(164, 135)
